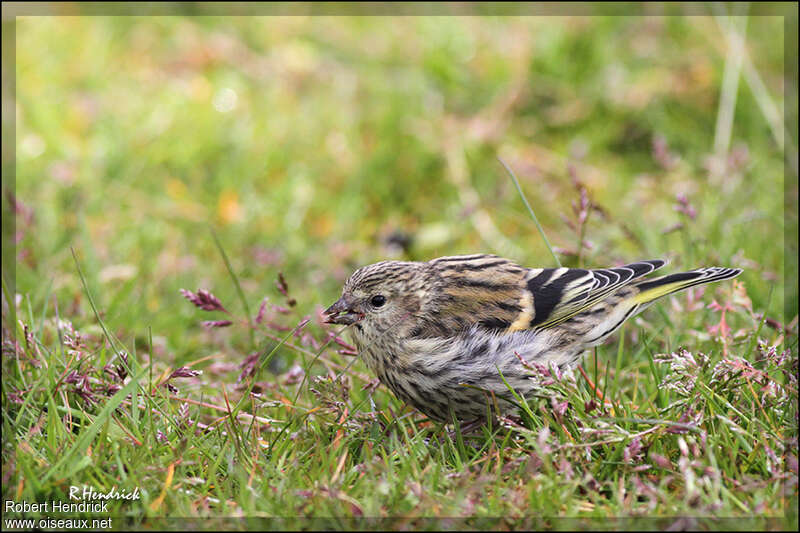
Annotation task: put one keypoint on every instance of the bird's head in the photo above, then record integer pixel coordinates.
(382, 296)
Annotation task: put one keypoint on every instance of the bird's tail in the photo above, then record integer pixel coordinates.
(639, 295)
(651, 289)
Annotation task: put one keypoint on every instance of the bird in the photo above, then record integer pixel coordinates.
(450, 336)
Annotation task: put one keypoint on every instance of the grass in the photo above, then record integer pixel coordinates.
(212, 154)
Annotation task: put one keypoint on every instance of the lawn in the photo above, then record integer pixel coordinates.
(192, 191)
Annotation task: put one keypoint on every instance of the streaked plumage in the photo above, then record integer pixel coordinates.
(428, 330)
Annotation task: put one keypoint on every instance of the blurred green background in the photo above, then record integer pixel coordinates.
(313, 145)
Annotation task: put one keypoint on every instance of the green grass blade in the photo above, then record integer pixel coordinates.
(239, 290)
(530, 210)
(89, 433)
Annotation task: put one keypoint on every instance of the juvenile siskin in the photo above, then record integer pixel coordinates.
(439, 333)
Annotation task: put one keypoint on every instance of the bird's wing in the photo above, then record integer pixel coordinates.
(561, 293)
(496, 294)
(473, 290)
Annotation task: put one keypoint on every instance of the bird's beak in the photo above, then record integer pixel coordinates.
(340, 313)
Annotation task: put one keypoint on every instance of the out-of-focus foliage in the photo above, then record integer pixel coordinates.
(307, 142)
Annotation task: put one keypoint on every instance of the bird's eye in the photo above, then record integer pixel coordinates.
(378, 300)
